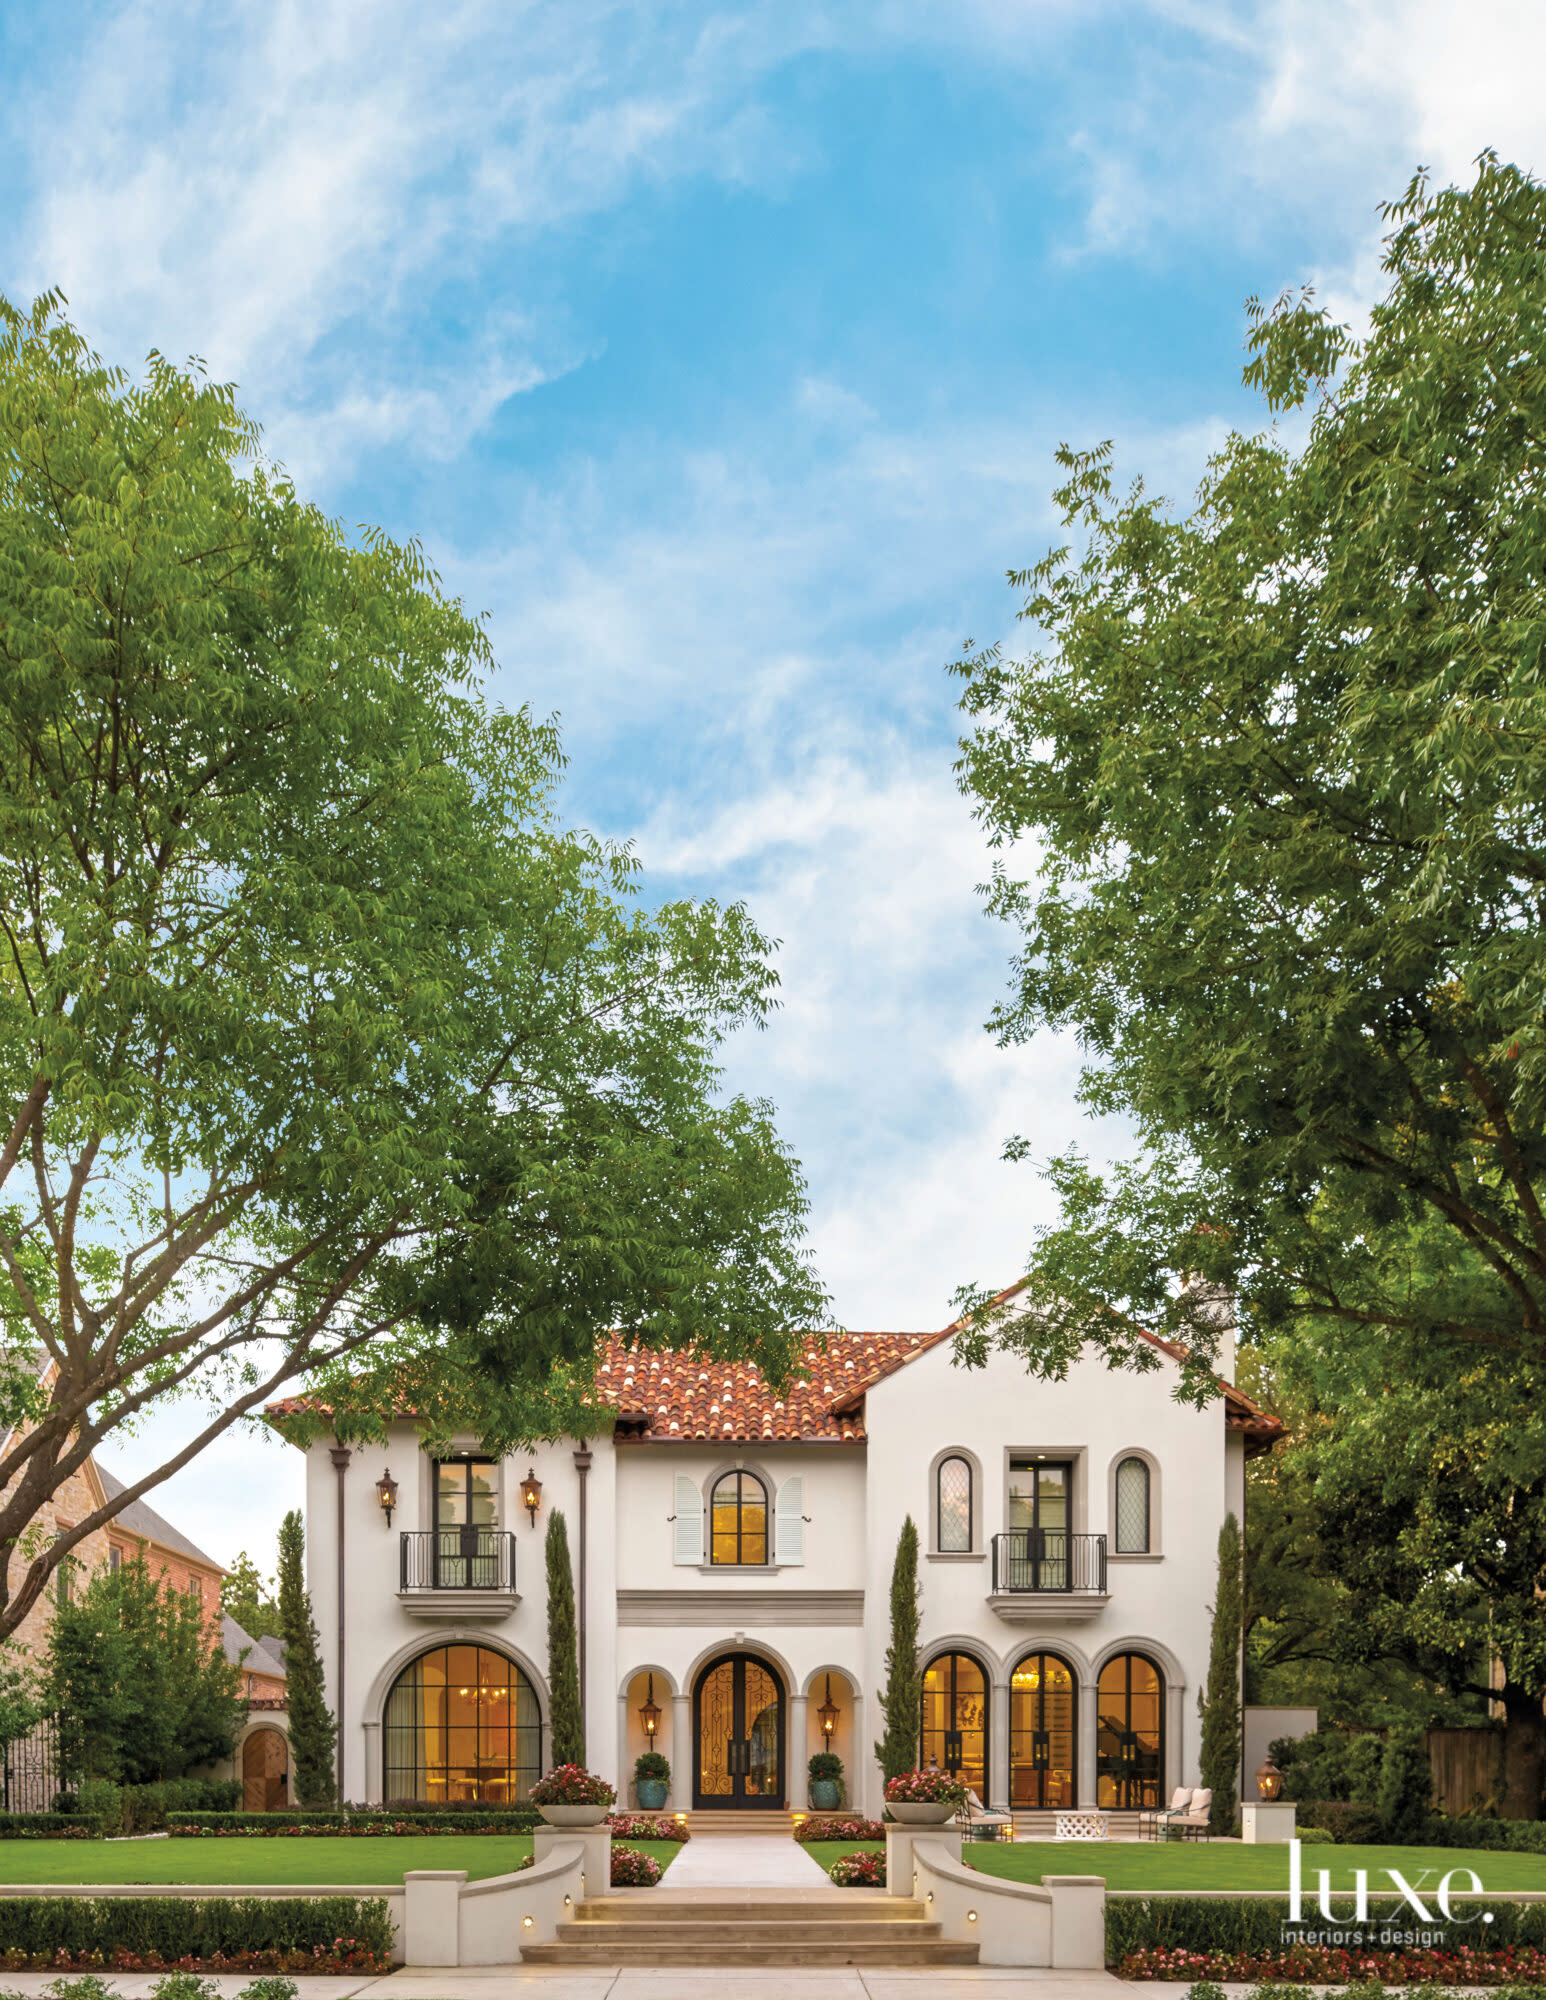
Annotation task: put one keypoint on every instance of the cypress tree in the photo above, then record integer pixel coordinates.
(1220, 1704)
(902, 1702)
(563, 1648)
(313, 1732)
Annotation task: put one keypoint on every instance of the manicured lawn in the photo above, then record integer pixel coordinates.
(1228, 1865)
(826, 1851)
(315, 1858)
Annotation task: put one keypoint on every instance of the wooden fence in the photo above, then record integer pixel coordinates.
(1467, 1768)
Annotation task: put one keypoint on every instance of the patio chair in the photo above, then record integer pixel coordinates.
(1193, 1823)
(977, 1823)
(1152, 1824)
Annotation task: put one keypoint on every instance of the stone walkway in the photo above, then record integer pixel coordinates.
(744, 1861)
(720, 1982)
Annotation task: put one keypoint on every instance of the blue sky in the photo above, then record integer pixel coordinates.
(718, 354)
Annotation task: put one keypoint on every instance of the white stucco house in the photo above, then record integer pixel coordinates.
(733, 1553)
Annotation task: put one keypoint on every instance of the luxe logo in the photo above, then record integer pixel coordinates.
(1361, 1891)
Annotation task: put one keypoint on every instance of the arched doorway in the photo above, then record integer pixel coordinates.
(738, 1734)
(1043, 1734)
(955, 1719)
(265, 1771)
(461, 1722)
(1130, 1734)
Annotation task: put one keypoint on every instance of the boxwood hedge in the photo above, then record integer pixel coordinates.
(1255, 1923)
(280, 1931)
(367, 1820)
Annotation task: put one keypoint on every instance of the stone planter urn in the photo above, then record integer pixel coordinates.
(824, 1792)
(652, 1794)
(933, 1813)
(574, 1815)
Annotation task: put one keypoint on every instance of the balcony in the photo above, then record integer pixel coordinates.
(1047, 1573)
(457, 1573)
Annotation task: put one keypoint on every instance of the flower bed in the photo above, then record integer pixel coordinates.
(572, 1785)
(863, 1870)
(843, 1826)
(633, 1869)
(924, 1788)
(1341, 1965)
(217, 1933)
(270, 1826)
(644, 1826)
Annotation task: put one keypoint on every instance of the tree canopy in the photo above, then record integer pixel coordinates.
(327, 1050)
(1282, 762)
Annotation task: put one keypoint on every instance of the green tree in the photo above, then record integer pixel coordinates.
(20, 1708)
(901, 1701)
(1219, 1703)
(313, 1731)
(563, 1648)
(248, 1596)
(1281, 761)
(1405, 1791)
(325, 1048)
(140, 1690)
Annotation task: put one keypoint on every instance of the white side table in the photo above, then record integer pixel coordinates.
(1267, 1822)
(1083, 1826)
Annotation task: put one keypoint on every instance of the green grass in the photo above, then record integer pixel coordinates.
(1228, 1865)
(263, 1860)
(827, 1851)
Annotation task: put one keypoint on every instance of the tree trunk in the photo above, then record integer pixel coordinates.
(1524, 1754)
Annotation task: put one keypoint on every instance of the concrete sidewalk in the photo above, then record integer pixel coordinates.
(719, 1982)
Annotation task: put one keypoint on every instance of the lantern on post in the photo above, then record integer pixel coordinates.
(1269, 1780)
(531, 1494)
(649, 1714)
(827, 1713)
(386, 1493)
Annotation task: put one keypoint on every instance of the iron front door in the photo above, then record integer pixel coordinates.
(739, 1735)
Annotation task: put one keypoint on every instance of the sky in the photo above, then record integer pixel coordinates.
(718, 355)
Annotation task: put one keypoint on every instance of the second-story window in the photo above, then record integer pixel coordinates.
(954, 1507)
(1132, 1508)
(464, 1494)
(738, 1519)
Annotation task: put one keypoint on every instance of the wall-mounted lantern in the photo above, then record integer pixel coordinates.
(531, 1494)
(828, 1712)
(1269, 1780)
(649, 1714)
(386, 1493)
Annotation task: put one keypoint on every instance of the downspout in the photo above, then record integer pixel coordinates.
(341, 1457)
(583, 1460)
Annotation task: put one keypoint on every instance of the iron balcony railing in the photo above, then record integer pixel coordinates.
(1049, 1559)
(458, 1559)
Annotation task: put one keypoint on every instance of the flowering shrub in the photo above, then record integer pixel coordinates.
(925, 1788)
(1340, 1965)
(633, 1869)
(843, 1827)
(572, 1785)
(863, 1870)
(644, 1826)
(352, 1829)
(193, 1934)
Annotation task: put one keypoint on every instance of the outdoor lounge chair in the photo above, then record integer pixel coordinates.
(1152, 1824)
(1193, 1823)
(977, 1823)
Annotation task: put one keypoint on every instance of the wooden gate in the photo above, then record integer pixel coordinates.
(265, 1771)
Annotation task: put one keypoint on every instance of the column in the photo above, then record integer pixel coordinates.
(373, 1787)
(797, 1752)
(681, 1753)
(624, 1761)
(1175, 1746)
(1087, 1721)
(996, 1788)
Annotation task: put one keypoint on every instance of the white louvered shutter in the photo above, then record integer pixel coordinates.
(688, 1542)
(789, 1523)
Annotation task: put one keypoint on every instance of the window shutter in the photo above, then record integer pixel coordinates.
(688, 1545)
(789, 1523)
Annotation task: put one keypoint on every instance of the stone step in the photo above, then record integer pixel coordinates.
(812, 1931)
(624, 1951)
(895, 1913)
(739, 1822)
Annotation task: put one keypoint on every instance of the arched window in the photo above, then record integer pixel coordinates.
(953, 1506)
(1133, 1507)
(1043, 1730)
(462, 1722)
(1130, 1734)
(955, 1719)
(738, 1519)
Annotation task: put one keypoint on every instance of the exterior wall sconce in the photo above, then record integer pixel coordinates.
(531, 1494)
(386, 1493)
(649, 1714)
(1269, 1780)
(828, 1712)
